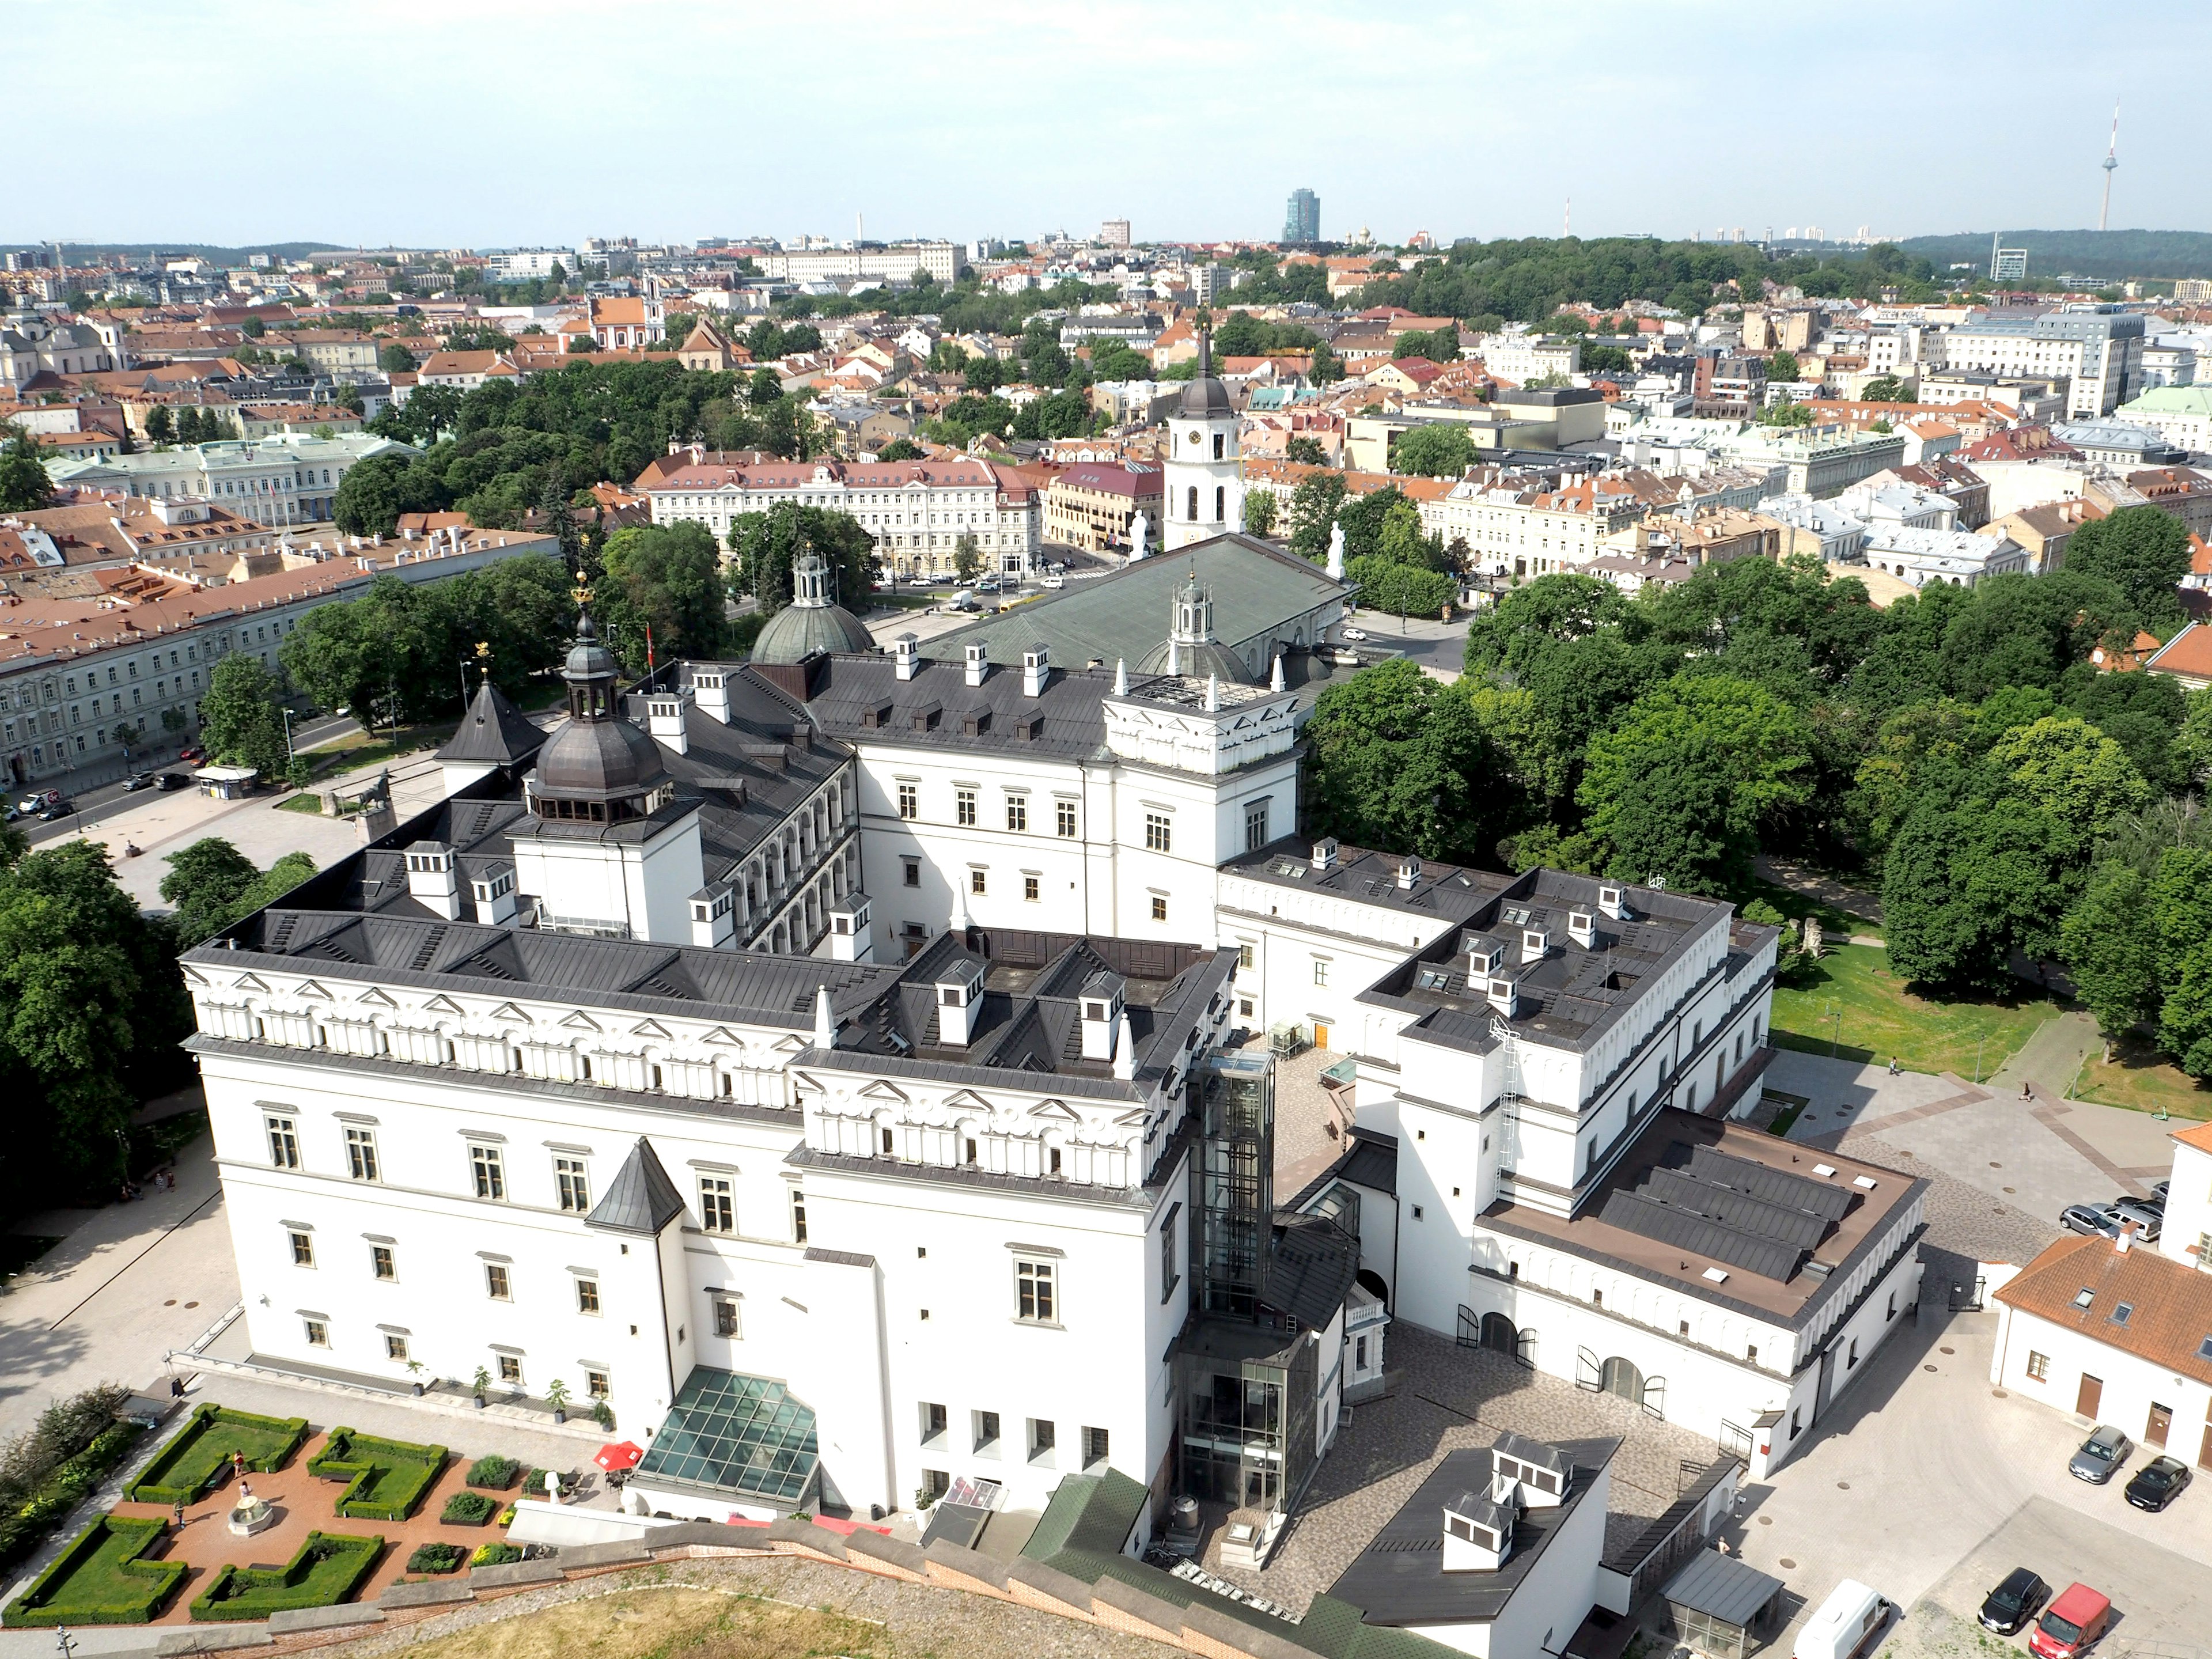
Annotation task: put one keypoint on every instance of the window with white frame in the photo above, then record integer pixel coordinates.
(727, 1319)
(303, 1248)
(318, 1333)
(497, 1284)
(573, 1184)
(1037, 1299)
(283, 1143)
(587, 1294)
(488, 1169)
(361, 1154)
(1159, 833)
(717, 1213)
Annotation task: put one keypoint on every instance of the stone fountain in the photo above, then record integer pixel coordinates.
(250, 1514)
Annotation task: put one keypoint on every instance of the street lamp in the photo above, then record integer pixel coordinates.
(64, 1642)
(290, 754)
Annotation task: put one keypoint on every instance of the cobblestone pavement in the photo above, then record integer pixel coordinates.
(919, 1620)
(1442, 1398)
(1963, 1221)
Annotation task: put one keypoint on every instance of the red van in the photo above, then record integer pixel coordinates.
(2070, 1624)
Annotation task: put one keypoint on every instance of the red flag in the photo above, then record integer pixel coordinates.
(648, 647)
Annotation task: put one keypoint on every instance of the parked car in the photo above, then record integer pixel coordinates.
(169, 781)
(39, 800)
(2102, 1456)
(137, 781)
(2070, 1624)
(2090, 1218)
(1843, 1625)
(58, 808)
(194, 756)
(1053, 581)
(2147, 1218)
(2157, 1483)
(2159, 1190)
(1355, 633)
(2014, 1602)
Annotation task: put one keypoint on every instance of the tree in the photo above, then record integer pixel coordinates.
(900, 449)
(2144, 553)
(1327, 367)
(395, 359)
(769, 544)
(1785, 414)
(1783, 365)
(211, 884)
(238, 719)
(1259, 510)
(661, 593)
(1606, 360)
(161, 425)
(1304, 452)
(1682, 786)
(1439, 449)
(1400, 764)
(2110, 943)
(2181, 902)
(2072, 772)
(1314, 505)
(1401, 590)
(1964, 886)
(1885, 389)
(966, 558)
(431, 409)
(24, 486)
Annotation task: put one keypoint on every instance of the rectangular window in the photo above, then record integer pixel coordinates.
(913, 867)
(596, 1386)
(361, 1154)
(1031, 889)
(395, 1347)
(1035, 1301)
(1064, 818)
(2038, 1367)
(318, 1334)
(575, 1187)
(510, 1369)
(1159, 834)
(1159, 907)
(725, 1316)
(1244, 957)
(987, 1434)
(587, 1295)
(978, 881)
(934, 1420)
(1256, 826)
(284, 1143)
(303, 1250)
(909, 801)
(496, 1285)
(381, 1262)
(490, 1175)
(1170, 1274)
(964, 806)
(1095, 1443)
(1321, 970)
(798, 1215)
(1043, 1438)
(716, 1213)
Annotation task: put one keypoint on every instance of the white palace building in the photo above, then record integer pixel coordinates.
(832, 1066)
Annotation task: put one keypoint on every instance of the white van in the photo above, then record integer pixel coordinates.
(1843, 1625)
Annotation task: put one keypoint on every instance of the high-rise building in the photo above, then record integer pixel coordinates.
(2008, 265)
(1114, 233)
(1302, 217)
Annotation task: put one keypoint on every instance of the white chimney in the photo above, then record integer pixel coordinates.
(906, 655)
(714, 916)
(1214, 694)
(1100, 1010)
(1582, 928)
(979, 662)
(1409, 873)
(825, 1022)
(1036, 669)
(432, 881)
(1535, 945)
(1324, 852)
(852, 934)
(493, 893)
(1613, 901)
(710, 694)
(2126, 1238)
(663, 718)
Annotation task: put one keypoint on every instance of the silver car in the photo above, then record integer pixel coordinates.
(2149, 1218)
(2101, 1456)
(2091, 1218)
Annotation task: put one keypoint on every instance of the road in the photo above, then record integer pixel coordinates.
(97, 805)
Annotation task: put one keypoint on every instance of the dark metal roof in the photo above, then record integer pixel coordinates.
(494, 730)
(1310, 1270)
(640, 1198)
(598, 758)
(1722, 1587)
(797, 631)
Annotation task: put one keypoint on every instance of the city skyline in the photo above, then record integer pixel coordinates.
(618, 125)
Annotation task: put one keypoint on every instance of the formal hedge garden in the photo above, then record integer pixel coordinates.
(437, 1558)
(194, 1464)
(329, 1568)
(468, 1509)
(100, 1580)
(384, 1478)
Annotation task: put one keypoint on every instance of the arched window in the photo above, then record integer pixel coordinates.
(1193, 513)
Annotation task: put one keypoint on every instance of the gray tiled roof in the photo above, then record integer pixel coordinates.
(640, 1198)
(494, 731)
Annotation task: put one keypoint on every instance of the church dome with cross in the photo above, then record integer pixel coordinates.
(814, 621)
(1190, 647)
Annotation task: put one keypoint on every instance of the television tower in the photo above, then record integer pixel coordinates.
(2112, 161)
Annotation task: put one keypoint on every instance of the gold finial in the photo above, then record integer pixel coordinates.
(582, 593)
(484, 650)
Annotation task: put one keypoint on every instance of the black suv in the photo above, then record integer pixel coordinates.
(2013, 1602)
(2157, 1483)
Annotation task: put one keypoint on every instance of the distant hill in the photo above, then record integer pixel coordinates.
(2113, 254)
(221, 256)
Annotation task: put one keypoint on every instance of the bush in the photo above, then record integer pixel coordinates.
(497, 1474)
(194, 1464)
(100, 1580)
(384, 1478)
(329, 1568)
(495, 1555)
(64, 1487)
(468, 1509)
(437, 1558)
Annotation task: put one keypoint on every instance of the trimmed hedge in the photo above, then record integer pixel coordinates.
(468, 1509)
(496, 1473)
(437, 1558)
(194, 1464)
(329, 1568)
(384, 1478)
(495, 1555)
(65, 1487)
(100, 1580)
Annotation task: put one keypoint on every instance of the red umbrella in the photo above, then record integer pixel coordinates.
(619, 1454)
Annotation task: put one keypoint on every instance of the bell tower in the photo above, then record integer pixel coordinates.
(1203, 475)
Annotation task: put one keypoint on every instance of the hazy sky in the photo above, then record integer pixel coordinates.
(490, 123)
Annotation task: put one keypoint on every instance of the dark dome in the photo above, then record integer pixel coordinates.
(587, 658)
(1197, 661)
(798, 631)
(1206, 400)
(598, 758)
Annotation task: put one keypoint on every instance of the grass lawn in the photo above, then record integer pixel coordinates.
(2142, 1079)
(363, 749)
(99, 1579)
(1851, 999)
(191, 1465)
(305, 801)
(386, 1479)
(647, 1622)
(328, 1569)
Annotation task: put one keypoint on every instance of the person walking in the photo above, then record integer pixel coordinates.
(180, 1512)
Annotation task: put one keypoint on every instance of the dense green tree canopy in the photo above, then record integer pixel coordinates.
(1401, 762)
(2141, 551)
(1441, 449)
(767, 546)
(24, 486)
(661, 594)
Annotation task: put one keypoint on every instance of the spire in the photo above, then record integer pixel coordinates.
(825, 1023)
(1125, 1050)
(1214, 694)
(1275, 681)
(1121, 676)
(1205, 333)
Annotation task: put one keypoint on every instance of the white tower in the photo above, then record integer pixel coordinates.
(1203, 476)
